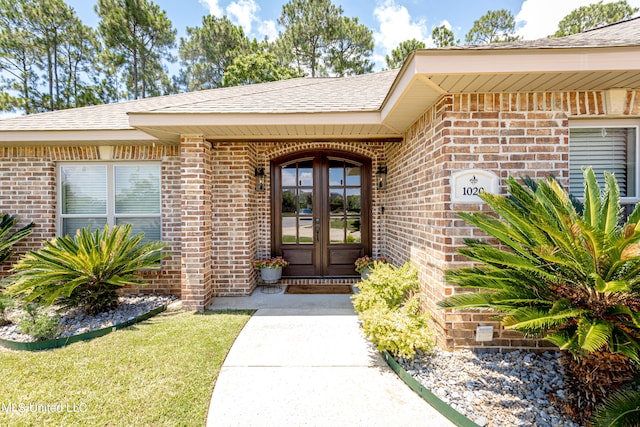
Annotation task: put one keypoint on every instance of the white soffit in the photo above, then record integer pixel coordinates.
(256, 126)
(429, 74)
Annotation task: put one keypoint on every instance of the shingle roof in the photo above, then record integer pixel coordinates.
(363, 93)
(303, 95)
(623, 33)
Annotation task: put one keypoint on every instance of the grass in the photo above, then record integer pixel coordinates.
(158, 372)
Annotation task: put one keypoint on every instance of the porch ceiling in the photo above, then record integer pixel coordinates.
(428, 74)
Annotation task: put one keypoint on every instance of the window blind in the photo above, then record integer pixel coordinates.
(603, 149)
(84, 189)
(137, 189)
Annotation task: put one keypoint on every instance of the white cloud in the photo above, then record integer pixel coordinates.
(396, 26)
(214, 7)
(540, 18)
(243, 13)
(268, 29)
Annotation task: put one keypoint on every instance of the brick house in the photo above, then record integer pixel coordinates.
(325, 170)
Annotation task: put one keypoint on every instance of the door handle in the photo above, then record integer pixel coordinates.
(317, 233)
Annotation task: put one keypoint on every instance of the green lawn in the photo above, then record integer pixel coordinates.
(158, 372)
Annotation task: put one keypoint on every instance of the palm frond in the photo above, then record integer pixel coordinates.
(610, 214)
(527, 319)
(625, 343)
(9, 238)
(594, 334)
(470, 300)
(592, 202)
(620, 410)
(66, 268)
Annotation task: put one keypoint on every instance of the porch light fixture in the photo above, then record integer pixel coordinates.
(381, 177)
(260, 179)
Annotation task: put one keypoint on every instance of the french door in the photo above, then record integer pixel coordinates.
(321, 205)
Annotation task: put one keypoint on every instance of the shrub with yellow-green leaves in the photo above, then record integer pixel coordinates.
(388, 306)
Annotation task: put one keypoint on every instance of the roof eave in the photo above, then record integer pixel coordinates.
(267, 126)
(76, 137)
(415, 89)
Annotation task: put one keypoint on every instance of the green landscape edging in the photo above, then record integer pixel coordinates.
(438, 404)
(61, 342)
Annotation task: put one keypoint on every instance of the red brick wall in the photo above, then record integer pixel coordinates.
(508, 134)
(235, 218)
(28, 188)
(196, 222)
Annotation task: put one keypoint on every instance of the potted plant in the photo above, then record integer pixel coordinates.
(365, 264)
(270, 268)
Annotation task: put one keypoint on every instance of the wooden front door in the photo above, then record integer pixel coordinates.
(321, 205)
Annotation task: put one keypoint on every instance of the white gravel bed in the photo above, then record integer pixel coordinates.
(495, 389)
(74, 322)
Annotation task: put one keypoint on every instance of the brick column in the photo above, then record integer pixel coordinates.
(195, 191)
(235, 220)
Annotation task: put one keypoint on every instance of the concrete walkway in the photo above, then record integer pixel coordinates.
(302, 360)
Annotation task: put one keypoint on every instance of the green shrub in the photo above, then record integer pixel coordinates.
(39, 324)
(85, 271)
(5, 303)
(9, 238)
(387, 284)
(388, 306)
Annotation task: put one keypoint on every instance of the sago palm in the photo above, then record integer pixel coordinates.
(570, 277)
(8, 237)
(86, 270)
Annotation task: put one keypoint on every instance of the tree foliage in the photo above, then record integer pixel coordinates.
(443, 37)
(570, 276)
(257, 68)
(351, 50)
(319, 41)
(208, 51)
(139, 35)
(400, 53)
(48, 57)
(496, 26)
(593, 16)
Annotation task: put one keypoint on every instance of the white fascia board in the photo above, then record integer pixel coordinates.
(159, 120)
(499, 61)
(80, 136)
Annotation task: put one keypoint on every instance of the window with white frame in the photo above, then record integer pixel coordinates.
(606, 148)
(95, 194)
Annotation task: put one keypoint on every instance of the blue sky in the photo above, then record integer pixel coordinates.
(392, 21)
